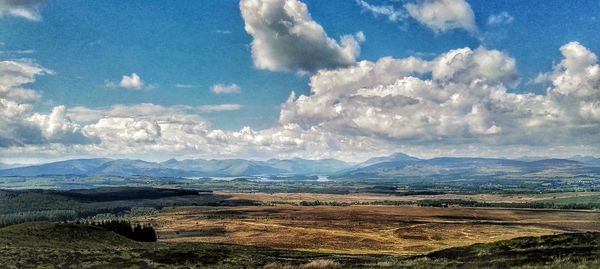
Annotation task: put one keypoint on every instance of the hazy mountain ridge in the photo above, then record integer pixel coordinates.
(397, 164)
(10, 165)
(174, 168)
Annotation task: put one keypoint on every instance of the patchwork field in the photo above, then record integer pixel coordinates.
(395, 230)
(296, 198)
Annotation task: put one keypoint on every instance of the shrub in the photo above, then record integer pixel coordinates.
(321, 264)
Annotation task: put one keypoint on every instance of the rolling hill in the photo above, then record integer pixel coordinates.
(393, 166)
(400, 165)
(58, 245)
(175, 168)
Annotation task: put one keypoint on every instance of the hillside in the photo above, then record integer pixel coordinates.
(34, 245)
(395, 166)
(548, 250)
(18, 206)
(399, 165)
(83, 246)
(175, 168)
(61, 236)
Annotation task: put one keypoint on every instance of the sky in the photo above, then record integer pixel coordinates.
(313, 79)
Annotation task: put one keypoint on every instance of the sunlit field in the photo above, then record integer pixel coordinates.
(396, 230)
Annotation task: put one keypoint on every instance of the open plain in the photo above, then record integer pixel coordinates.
(362, 229)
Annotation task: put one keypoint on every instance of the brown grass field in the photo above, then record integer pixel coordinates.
(393, 230)
(295, 198)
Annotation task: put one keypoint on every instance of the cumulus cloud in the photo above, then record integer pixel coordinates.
(143, 129)
(286, 38)
(502, 18)
(466, 66)
(443, 15)
(578, 74)
(146, 111)
(14, 75)
(457, 103)
(18, 124)
(27, 9)
(133, 82)
(225, 89)
(121, 131)
(57, 127)
(464, 101)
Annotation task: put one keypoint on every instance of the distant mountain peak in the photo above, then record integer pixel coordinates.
(394, 165)
(175, 168)
(171, 161)
(396, 157)
(400, 155)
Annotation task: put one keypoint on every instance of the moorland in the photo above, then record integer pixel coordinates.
(548, 217)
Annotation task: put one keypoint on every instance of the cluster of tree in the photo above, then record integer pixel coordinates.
(137, 232)
(323, 203)
(540, 205)
(125, 193)
(40, 215)
(456, 202)
(18, 206)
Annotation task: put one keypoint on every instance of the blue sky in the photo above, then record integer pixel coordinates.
(181, 49)
(89, 42)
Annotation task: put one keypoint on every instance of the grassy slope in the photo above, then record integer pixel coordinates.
(61, 236)
(81, 246)
(544, 250)
(590, 199)
(31, 245)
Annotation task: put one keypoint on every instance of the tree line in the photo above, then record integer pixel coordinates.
(457, 202)
(137, 232)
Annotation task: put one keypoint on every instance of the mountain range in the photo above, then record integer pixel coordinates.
(175, 168)
(395, 165)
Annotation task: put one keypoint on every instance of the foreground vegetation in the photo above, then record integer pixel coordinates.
(360, 225)
(61, 245)
(17, 206)
(397, 185)
(137, 232)
(368, 229)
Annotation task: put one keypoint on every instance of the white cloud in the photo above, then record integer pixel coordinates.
(18, 124)
(133, 82)
(455, 104)
(225, 89)
(443, 15)
(14, 75)
(17, 52)
(388, 11)
(576, 76)
(120, 131)
(58, 127)
(28, 9)
(146, 111)
(15, 103)
(286, 38)
(503, 18)
(185, 86)
(219, 108)
(464, 103)
(466, 65)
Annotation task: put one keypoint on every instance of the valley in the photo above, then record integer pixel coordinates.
(388, 212)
